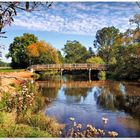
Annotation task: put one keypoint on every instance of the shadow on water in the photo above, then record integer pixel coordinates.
(89, 101)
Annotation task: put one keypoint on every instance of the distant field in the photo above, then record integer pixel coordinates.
(9, 69)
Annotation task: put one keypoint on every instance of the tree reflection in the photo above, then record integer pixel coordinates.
(120, 96)
(49, 92)
(75, 95)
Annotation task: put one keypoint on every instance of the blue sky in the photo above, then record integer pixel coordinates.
(70, 21)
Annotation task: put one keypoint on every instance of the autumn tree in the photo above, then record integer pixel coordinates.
(42, 53)
(17, 50)
(8, 10)
(75, 52)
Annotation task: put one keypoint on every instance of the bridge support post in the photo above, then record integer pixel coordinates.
(90, 74)
(61, 73)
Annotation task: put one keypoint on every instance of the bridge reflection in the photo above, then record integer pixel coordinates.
(71, 84)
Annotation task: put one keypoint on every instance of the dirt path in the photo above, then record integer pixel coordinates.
(10, 80)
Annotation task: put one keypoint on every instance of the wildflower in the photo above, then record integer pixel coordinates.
(79, 126)
(113, 133)
(101, 132)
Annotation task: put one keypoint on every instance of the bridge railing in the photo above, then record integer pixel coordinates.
(70, 66)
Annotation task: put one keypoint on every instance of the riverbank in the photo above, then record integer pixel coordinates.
(10, 80)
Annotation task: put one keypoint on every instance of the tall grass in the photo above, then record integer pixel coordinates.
(22, 116)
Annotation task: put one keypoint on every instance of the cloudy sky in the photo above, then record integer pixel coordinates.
(71, 21)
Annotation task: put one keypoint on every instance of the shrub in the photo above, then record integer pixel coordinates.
(95, 60)
(102, 75)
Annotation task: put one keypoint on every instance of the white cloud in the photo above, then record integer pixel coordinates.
(78, 18)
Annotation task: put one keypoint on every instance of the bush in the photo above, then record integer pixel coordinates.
(95, 60)
(102, 75)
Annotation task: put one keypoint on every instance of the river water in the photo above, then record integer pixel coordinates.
(89, 101)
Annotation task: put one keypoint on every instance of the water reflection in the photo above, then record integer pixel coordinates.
(88, 102)
(80, 93)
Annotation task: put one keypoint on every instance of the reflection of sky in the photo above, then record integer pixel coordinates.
(122, 88)
(86, 111)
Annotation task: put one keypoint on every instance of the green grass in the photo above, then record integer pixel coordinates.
(37, 125)
(10, 70)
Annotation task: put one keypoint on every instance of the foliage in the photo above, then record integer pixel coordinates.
(61, 58)
(9, 128)
(136, 20)
(95, 60)
(9, 9)
(17, 50)
(127, 62)
(105, 39)
(4, 64)
(42, 53)
(102, 75)
(44, 123)
(3, 102)
(8, 69)
(22, 118)
(75, 52)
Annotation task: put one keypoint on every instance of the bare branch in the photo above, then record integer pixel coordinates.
(138, 3)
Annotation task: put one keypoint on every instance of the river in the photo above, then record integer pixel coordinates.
(89, 101)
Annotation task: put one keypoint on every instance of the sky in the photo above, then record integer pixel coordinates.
(70, 21)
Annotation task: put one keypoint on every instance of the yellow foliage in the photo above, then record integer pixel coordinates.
(40, 48)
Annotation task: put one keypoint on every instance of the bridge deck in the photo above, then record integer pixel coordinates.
(68, 67)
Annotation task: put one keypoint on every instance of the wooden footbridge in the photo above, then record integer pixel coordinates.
(62, 67)
(68, 67)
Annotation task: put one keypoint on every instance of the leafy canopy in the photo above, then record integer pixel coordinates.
(75, 52)
(42, 53)
(95, 60)
(17, 50)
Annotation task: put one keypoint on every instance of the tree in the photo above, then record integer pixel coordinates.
(138, 3)
(17, 50)
(136, 20)
(95, 60)
(61, 58)
(136, 32)
(75, 52)
(9, 9)
(105, 39)
(127, 62)
(42, 53)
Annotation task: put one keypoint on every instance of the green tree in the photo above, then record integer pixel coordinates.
(17, 50)
(105, 39)
(75, 52)
(127, 62)
(61, 58)
(95, 60)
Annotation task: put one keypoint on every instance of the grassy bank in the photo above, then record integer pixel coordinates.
(8, 69)
(22, 115)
